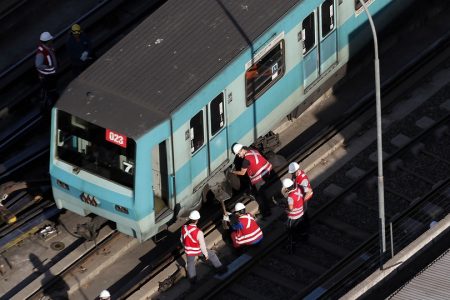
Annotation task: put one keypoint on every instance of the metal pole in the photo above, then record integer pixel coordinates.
(379, 141)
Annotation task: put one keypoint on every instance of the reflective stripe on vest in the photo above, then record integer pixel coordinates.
(48, 61)
(250, 231)
(258, 167)
(297, 209)
(190, 241)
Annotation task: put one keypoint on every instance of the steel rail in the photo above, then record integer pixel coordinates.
(57, 37)
(431, 54)
(388, 86)
(370, 246)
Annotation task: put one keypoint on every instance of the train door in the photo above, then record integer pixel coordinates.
(160, 180)
(217, 133)
(328, 36)
(199, 148)
(319, 41)
(208, 140)
(310, 49)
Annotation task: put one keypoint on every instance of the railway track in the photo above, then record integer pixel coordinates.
(342, 248)
(24, 133)
(152, 271)
(22, 124)
(73, 254)
(8, 7)
(327, 226)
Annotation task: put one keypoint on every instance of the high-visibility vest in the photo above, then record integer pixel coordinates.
(302, 181)
(250, 231)
(191, 244)
(258, 167)
(49, 60)
(297, 209)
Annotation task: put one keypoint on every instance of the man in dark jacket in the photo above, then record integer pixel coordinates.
(80, 50)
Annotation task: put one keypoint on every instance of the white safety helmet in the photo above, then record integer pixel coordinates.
(287, 183)
(239, 206)
(45, 36)
(194, 215)
(237, 148)
(105, 294)
(293, 167)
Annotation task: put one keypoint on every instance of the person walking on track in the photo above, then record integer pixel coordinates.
(194, 244)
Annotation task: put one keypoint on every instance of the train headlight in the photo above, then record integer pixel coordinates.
(62, 184)
(89, 199)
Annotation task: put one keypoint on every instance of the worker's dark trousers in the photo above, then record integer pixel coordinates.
(261, 194)
(297, 229)
(49, 93)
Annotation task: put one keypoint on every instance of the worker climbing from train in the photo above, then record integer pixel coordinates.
(258, 169)
(301, 180)
(194, 244)
(47, 67)
(295, 213)
(245, 230)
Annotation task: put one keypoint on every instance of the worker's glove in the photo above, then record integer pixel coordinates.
(84, 56)
(226, 217)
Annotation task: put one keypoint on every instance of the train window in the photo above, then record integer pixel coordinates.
(264, 73)
(95, 149)
(327, 10)
(217, 114)
(308, 33)
(358, 5)
(197, 131)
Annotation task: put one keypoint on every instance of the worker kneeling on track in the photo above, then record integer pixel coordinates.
(296, 218)
(194, 244)
(245, 230)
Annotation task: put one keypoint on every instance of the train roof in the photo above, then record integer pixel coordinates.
(141, 80)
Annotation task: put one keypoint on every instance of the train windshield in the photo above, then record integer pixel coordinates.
(101, 151)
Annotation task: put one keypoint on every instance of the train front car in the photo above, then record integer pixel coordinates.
(93, 170)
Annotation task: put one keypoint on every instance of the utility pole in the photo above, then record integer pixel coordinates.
(381, 220)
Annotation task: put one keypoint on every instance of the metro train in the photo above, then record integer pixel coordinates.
(143, 134)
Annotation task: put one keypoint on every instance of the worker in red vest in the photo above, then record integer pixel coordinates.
(46, 66)
(245, 229)
(258, 169)
(194, 244)
(295, 213)
(301, 180)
